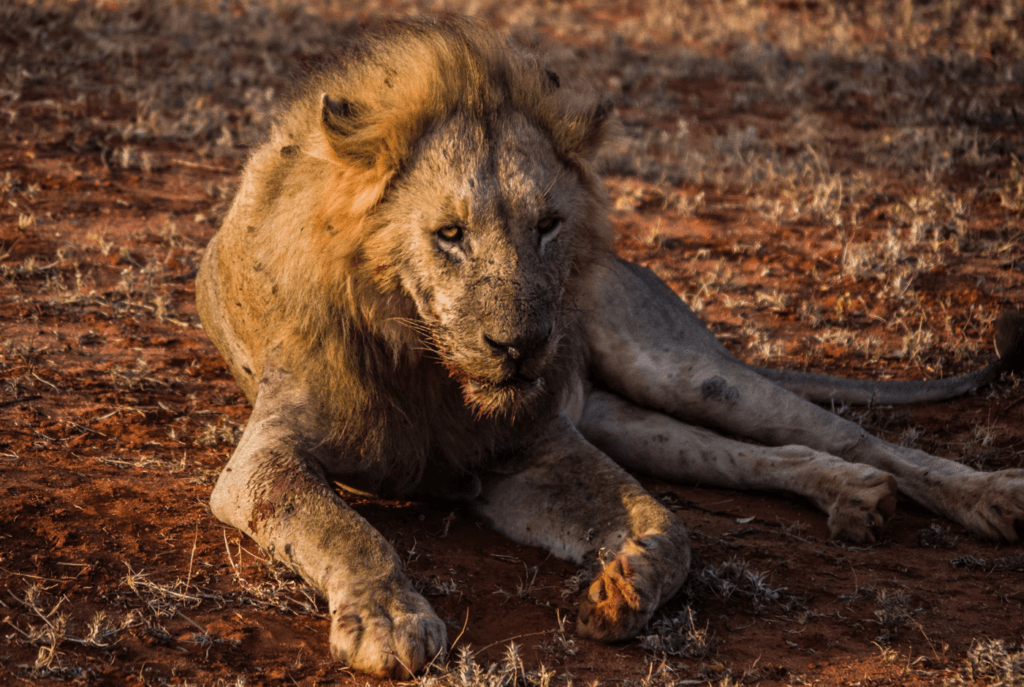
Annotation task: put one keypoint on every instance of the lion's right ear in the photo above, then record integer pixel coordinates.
(340, 122)
(362, 141)
(337, 116)
(351, 143)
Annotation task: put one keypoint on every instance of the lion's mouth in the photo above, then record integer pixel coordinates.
(508, 397)
(515, 382)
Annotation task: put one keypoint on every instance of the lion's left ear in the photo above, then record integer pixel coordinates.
(599, 128)
(582, 135)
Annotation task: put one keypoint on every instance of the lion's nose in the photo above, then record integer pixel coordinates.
(518, 348)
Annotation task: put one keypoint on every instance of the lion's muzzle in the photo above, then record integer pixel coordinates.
(518, 350)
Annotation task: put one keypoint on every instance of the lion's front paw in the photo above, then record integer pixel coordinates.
(396, 638)
(992, 505)
(862, 508)
(627, 591)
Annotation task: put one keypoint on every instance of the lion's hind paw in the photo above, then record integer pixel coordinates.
(860, 514)
(995, 507)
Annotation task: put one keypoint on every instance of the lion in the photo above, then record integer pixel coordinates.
(416, 289)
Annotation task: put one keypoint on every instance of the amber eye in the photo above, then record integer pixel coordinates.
(451, 233)
(548, 225)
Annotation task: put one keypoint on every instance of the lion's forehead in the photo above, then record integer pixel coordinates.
(503, 170)
(524, 160)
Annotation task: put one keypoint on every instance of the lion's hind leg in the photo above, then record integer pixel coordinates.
(569, 498)
(858, 498)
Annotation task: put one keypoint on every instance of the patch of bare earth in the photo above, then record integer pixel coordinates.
(833, 186)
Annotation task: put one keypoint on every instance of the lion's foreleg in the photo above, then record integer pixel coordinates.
(858, 498)
(274, 490)
(568, 497)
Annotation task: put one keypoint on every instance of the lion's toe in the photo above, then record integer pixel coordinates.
(419, 640)
(1002, 524)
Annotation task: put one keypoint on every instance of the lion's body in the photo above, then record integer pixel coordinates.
(415, 287)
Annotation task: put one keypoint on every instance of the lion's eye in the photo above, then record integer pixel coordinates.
(548, 225)
(451, 233)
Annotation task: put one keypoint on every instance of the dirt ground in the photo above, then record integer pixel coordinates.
(833, 186)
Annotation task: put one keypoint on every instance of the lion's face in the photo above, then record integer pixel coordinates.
(483, 226)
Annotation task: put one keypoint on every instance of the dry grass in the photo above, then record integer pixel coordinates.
(992, 662)
(464, 671)
(940, 88)
(677, 635)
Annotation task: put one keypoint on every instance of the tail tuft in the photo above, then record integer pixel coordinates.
(1010, 340)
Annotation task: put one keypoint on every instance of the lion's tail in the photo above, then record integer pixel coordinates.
(827, 389)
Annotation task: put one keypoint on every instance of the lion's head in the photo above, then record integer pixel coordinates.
(459, 203)
(482, 232)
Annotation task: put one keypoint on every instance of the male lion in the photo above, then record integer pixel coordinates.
(416, 289)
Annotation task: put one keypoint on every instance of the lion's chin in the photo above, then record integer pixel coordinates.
(512, 398)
